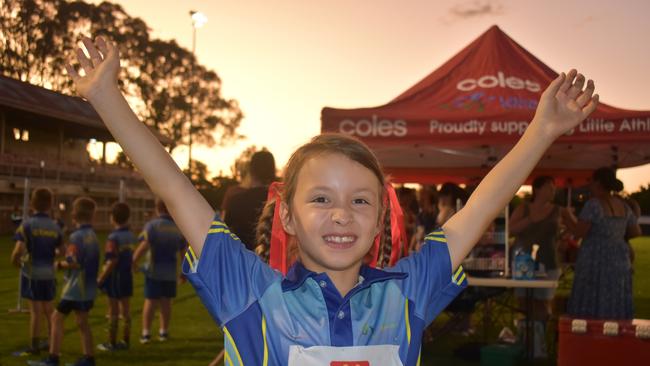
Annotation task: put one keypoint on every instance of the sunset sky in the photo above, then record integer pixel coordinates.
(284, 60)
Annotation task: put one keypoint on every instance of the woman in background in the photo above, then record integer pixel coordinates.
(602, 285)
(537, 222)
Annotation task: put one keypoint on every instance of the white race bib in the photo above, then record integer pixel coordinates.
(381, 355)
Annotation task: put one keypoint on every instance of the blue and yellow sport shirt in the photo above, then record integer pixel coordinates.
(269, 319)
(119, 246)
(81, 283)
(165, 244)
(41, 236)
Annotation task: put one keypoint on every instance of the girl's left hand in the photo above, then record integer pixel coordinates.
(564, 104)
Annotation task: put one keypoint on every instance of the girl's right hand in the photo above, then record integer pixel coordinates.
(100, 70)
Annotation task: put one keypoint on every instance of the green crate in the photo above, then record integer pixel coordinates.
(500, 354)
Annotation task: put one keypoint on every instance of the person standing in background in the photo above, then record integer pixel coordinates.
(116, 277)
(537, 223)
(37, 240)
(451, 198)
(164, 244)
(602, 284)
(81, 265)
(244, 208)
(425, 220)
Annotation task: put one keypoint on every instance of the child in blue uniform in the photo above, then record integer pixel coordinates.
(116, 277)
(81, 265)
(331, 307)
(163, 243)
(37, 240)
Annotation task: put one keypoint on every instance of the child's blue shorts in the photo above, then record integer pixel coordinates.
(37, 290)
(156, 289)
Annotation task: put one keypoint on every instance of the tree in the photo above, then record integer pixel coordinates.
(163, 82)
(29, 31)
(642, 197)
(198, 174)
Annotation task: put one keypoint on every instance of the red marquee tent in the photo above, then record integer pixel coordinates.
(462, 118)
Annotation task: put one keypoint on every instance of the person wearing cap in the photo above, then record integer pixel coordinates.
(602, 285)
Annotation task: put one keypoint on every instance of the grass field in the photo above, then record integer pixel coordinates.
(195, 339)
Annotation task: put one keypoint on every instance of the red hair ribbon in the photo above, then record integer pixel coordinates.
(399, 247)
(398, 234)
(279, 238)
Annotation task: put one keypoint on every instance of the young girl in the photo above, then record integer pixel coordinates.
(331, 308)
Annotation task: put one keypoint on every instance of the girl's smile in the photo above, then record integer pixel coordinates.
(340, 241)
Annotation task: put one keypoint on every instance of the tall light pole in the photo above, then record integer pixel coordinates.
(198, 20)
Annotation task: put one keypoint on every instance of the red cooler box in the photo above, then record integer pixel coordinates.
(603, 342)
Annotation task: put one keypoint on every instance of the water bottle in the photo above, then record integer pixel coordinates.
(523, 267)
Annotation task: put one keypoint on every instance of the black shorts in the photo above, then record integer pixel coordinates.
(118, 287)
(66, 306)
(156, 289)
(37, 290)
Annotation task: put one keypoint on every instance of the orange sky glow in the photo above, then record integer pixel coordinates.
(284, 60)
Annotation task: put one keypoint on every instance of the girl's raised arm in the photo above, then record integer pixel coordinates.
(563, 105)
(190, 210)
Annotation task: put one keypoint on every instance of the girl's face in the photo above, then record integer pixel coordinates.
(334, 213)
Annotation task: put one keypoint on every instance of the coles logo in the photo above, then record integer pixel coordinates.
(499, 80)
(374, 127)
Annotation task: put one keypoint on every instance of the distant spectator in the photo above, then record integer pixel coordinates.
(243, 174)
(116, 277)
(636, 210)
(37, 240)
(537, 222)
(16, 216)
(244, 208)
(602, 284)
(425, 221)
(409, 204)
(78, 294)
(451, 198)
(164, 243)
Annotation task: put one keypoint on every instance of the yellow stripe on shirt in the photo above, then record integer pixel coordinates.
(191, 253)
(458, 272)
(219, 230)
(459, 276)
(265, 361)
(408, 322)
(436, 238)
(189, 261)
(234, 345)
(462, 278)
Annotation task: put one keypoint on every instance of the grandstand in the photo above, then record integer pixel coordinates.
(43, 137)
